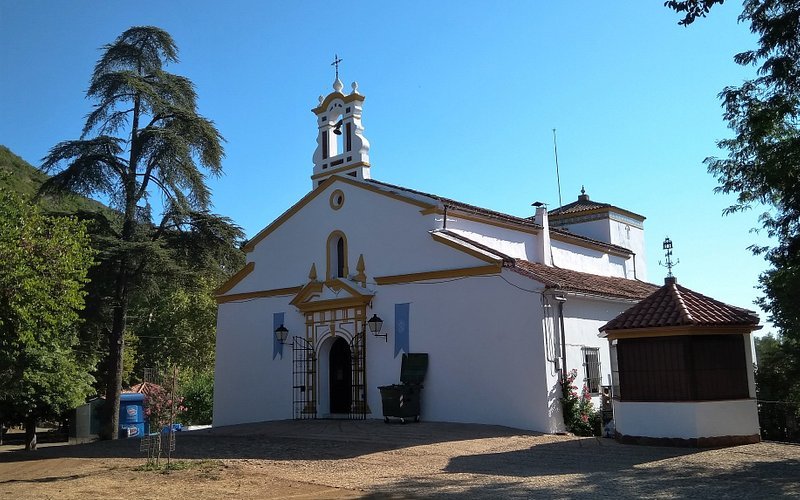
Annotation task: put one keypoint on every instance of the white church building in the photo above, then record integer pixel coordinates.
(501, 304)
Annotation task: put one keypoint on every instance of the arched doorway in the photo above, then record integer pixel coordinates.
(340, 378)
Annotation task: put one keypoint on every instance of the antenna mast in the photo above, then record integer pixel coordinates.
(558, 175)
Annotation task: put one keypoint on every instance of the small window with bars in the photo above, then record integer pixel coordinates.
(591, 368)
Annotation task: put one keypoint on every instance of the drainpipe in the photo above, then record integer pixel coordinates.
(561, 299)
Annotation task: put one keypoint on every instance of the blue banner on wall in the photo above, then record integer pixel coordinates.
(277, 347)
(401, 328)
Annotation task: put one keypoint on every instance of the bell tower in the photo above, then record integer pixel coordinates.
(342, 148)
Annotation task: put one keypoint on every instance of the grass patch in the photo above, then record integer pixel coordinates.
(179, 465)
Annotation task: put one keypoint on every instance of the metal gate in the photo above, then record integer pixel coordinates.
(304, 373)
(358, 351)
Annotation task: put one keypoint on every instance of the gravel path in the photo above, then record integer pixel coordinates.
(330, 458)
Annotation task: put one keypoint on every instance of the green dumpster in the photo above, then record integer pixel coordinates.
(403, 400)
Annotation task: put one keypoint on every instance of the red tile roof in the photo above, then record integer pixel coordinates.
(143, 388)
(584, 204)
(675, 305)
(576, 281)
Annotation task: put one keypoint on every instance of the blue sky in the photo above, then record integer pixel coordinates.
(462, 97)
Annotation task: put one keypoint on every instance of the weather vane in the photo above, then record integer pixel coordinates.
(335, 64)
(667, 246)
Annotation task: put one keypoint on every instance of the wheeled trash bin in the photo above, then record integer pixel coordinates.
(403, 400)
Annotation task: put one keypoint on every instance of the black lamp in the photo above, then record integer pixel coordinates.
(375, 323)
(281, 333)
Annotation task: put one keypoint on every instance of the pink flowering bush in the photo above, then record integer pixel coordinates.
(579, 414)
(160, 408)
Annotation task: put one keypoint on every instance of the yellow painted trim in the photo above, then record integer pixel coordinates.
(330, 252)
(454, 212)
(467, 250)
(305, 200)
(312, 273)
(332, 199)
(433, 275)
(568, 238)
(347, 99)
(676, 331)
(324, 305)
(339, 170)
(259, 294)
(341, 283)
(361, 276)
(393, 195)
(305, 291)
(235, 279)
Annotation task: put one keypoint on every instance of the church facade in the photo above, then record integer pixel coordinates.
(359, 271)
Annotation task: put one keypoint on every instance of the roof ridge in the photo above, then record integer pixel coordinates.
(685, 312)
(486, 248)
(674, 305)
(522, 221)
(582, 282)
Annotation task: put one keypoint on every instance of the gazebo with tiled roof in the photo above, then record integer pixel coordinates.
(682, 370)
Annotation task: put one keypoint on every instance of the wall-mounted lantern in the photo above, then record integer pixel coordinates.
(281, 333)
(375, 323)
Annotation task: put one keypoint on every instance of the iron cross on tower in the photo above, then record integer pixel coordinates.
(335, 63)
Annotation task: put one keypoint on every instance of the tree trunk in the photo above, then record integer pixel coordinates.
(110, 428)
(30, 433)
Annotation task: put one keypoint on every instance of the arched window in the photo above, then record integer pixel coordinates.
(337, 255)
(340, 258)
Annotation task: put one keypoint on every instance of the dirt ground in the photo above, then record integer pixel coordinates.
(368, 459)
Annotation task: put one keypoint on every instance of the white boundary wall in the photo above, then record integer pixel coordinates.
(687, 420)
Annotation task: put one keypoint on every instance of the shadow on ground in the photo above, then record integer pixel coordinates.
(284, 440)
(588, 468)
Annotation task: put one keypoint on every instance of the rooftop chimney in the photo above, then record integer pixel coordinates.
(541, 219)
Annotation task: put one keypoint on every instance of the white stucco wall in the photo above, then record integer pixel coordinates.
(515, 244)
(632, 238)
(487, 358)
(687, 420)
(384, 230)
(587, 260)
(492, 347)
(582, 318)
(249, 386)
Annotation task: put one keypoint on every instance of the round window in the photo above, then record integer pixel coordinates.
(337, 199)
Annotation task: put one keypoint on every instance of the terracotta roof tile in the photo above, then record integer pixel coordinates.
(584, 204)
(576, 281)
(675, 305)
(579, 206)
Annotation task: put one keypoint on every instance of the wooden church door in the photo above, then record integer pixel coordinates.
(340, 377)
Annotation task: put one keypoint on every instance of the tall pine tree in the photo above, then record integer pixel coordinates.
(144, 137)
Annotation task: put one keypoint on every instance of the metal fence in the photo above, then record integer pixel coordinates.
(779, 420)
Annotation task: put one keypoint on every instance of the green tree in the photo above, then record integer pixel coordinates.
(692, 8)
(43, 266)
(763, 163)
(197, 389)
(779, 399)
(144, 137)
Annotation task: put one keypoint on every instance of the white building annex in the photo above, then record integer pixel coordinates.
(500, 303)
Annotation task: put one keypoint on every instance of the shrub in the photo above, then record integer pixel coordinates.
(198, 398)
(580, 417)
